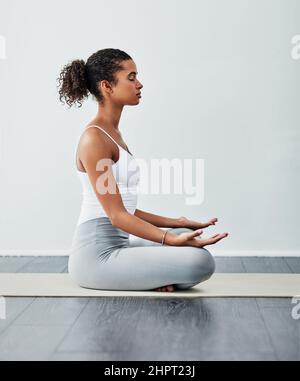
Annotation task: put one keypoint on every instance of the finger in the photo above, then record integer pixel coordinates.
(220, 234)
(211, 240)
(217, 237)
(196, 232)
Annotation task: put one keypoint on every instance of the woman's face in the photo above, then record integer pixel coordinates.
(128, 86)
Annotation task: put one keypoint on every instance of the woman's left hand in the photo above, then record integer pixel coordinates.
(186, 223)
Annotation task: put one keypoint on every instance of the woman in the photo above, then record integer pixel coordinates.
(102, 255)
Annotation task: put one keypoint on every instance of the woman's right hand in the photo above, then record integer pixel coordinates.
(189, 239)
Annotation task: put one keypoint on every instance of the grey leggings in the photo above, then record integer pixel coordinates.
(107, 258)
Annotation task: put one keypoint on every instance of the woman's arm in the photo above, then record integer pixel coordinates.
(159, 221)
(94, 154)
(138, 227)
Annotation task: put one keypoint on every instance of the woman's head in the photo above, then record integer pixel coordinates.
(109, 75)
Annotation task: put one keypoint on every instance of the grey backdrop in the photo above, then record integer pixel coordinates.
(219, 84)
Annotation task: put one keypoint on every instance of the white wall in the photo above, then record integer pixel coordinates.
(219, 84)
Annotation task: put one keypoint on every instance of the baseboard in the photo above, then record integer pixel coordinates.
(253, 253)
(214, 252)
(34, 253)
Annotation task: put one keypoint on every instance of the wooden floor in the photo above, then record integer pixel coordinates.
(134, 328)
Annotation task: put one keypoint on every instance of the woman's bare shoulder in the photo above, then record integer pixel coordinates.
(92, 139)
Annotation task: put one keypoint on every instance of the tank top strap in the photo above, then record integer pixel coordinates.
(94, 125)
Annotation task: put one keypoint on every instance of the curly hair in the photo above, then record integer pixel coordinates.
(77, 79)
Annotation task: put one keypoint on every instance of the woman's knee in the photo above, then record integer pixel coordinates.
(204, 264)
(210, 261)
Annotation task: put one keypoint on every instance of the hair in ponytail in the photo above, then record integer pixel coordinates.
(77, 79)
(73, 83)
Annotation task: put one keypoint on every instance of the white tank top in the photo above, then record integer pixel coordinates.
(127, 176)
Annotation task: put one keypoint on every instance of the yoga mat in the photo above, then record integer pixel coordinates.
(220, 284)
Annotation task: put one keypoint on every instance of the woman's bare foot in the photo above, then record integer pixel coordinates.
(168, 288)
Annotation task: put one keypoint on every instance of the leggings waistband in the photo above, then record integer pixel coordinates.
(100, 231)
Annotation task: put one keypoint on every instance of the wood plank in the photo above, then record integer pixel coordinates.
(52, 311)
(172, 329)
(206, 329)
(13, 264)
(65, 270)
(46, 265)
(82, 356)
(106, 325)
(14, 307)
(274, 302)
(265, 265)
(284, 332)
(293, 263)
(229, 265)
(30, 342)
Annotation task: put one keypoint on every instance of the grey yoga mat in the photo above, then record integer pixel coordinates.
(219, 285)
